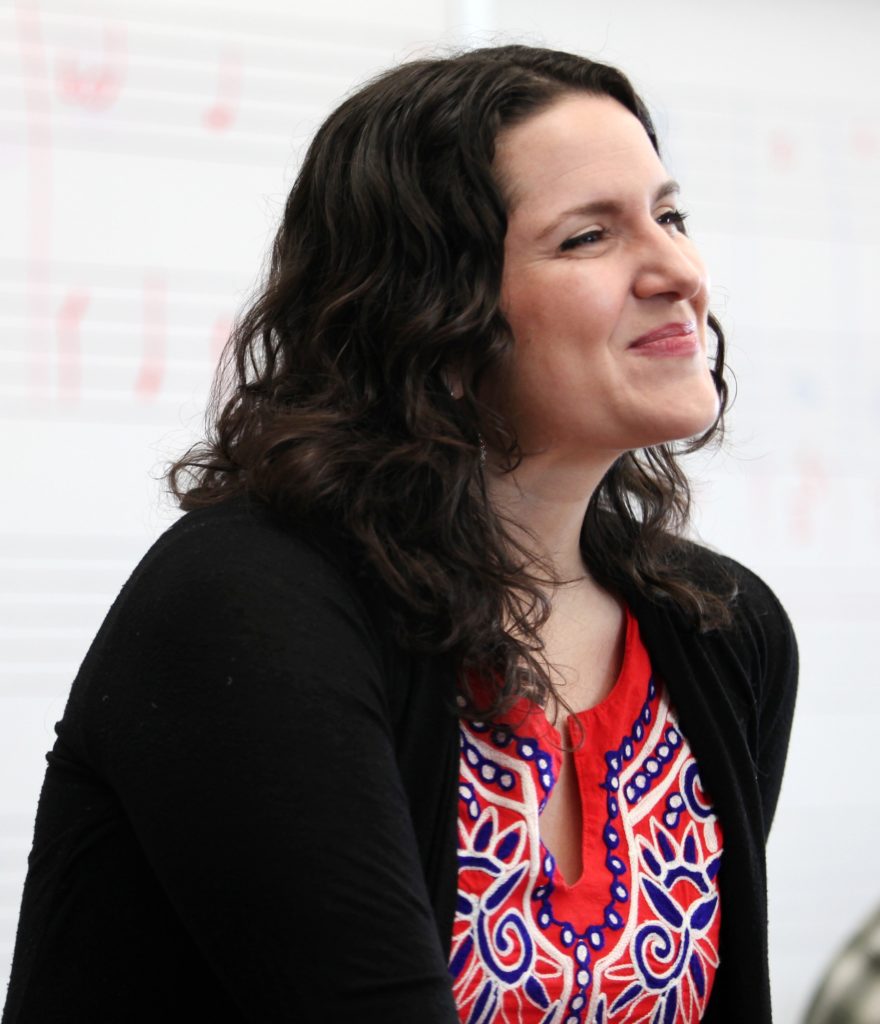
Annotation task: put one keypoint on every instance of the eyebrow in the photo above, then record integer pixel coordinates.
(607, 206)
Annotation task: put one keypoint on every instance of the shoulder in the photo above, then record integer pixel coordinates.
(757, 615)
(756, 648)
(236, 572)
(242, 545)
(735, 685)
(224, 539)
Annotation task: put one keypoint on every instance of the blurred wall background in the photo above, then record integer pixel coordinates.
(146, 150)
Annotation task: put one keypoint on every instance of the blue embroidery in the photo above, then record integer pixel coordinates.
(664, 950)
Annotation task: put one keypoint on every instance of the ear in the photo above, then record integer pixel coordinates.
(452, 380)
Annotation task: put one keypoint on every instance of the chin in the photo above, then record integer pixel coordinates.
(684, 424)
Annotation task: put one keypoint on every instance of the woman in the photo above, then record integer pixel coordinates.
(431, 585)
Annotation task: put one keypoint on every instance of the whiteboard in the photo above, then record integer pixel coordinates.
(146, 150)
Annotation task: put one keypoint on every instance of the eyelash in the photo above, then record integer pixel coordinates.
(675, 217)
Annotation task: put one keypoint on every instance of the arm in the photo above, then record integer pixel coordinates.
(776, 655)
(246, 732)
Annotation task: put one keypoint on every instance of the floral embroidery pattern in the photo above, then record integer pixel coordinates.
(673, 955)
(528, 948)
(504, 968)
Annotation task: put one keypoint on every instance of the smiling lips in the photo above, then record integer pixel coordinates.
(673, 339)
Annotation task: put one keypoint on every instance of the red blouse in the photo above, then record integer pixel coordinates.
(635, 938)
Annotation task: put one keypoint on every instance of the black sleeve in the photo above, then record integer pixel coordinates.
(775, 681)
(239, 713)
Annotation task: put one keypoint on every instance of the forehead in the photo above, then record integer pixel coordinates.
(582, 146)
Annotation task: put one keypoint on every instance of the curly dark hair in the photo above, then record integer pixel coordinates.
(385, 277)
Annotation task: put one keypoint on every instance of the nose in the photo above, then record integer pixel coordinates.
(669, 265)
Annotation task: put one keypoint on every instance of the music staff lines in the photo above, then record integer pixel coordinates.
(115, 332)
(189, 282)
(139, 140)
(281, 28)
(203, 90)
(52, 675)
(97, 560)
(114, 95)
(235, 88)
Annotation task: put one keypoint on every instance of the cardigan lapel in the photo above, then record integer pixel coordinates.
(705, 675)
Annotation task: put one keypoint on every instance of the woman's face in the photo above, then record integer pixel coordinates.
(594, 259)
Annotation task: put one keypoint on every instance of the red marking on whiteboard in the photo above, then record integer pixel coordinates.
(219, 336)
(782, 150)
(811, 490)
(38, 107)
(96, 87)
(865, 141)
(220, 115)
(69, 349)
(152, 369)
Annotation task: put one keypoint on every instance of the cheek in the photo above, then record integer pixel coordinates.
(522, 308)
(561, 308)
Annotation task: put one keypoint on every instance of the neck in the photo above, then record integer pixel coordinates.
(543, 503)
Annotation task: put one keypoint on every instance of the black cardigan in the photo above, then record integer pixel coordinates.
(249, 813)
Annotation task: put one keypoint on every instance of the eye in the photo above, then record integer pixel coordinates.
(674, 217)
(587, 238)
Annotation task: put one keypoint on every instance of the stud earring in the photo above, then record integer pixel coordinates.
(480, 439)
